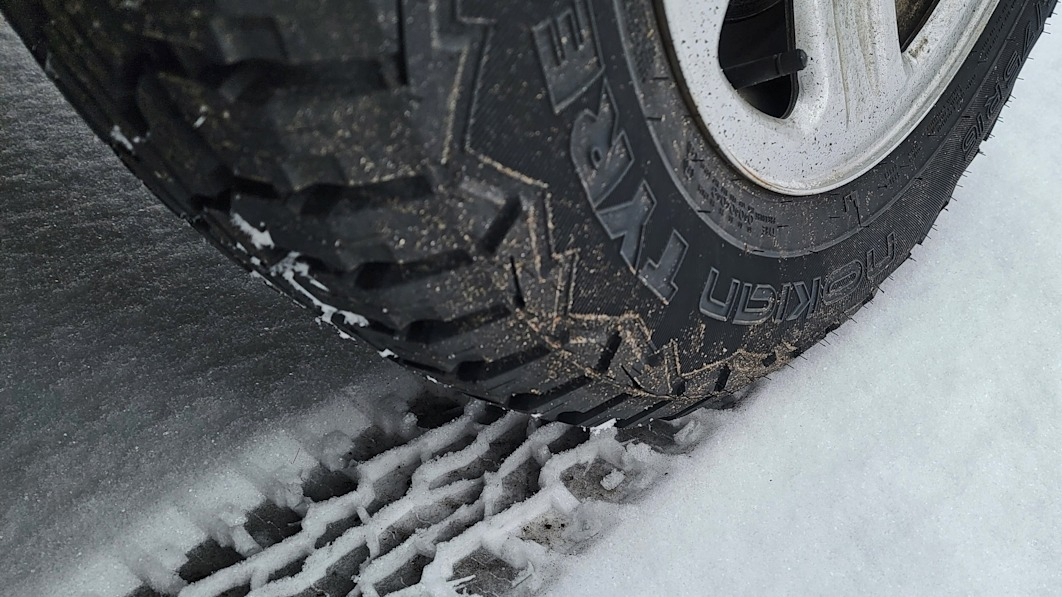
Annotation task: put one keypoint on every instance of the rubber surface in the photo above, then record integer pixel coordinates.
(514, 200)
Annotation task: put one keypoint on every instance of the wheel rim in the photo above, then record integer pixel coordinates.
(859, 96)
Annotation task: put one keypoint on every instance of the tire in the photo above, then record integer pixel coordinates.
(555, 235)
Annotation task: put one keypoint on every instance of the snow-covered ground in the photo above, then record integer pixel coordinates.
(142, 383)
(134, 358)
(918, 451)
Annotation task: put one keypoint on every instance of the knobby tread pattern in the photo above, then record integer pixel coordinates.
(302, 139)
(251, 109)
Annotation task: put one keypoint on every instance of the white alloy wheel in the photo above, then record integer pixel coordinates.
(859, 96)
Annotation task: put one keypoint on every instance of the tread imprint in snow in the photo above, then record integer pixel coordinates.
(421, 512)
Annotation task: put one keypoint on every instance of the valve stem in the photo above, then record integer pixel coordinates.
(766, 69)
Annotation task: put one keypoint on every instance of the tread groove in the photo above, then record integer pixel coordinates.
(475, 371)
(518, 299)
(257, 81)
(533, 402)
(322, 198)
(643, 416)
(380, 275)
(581, 418)
(698, 405)
(609, 352)
(428, 331)
(724, 376)
(500, 227)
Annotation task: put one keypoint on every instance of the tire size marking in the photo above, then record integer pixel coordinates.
(733, 211)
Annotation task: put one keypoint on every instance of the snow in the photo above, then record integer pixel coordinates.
(297, 273)
(920, 450)
(141, 374)
(149, 397)
(261, 239)
(613, 480)
(120, 138)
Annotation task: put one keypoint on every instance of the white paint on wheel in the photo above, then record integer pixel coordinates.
(860, 95)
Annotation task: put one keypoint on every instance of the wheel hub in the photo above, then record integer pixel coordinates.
(863, 90)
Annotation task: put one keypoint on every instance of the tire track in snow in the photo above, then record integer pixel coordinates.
(435, 498)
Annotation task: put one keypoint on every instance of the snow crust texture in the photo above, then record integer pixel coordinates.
(435, 498)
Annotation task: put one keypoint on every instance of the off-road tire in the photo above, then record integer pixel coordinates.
(513, 198)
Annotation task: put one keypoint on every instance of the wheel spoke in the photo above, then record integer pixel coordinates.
(861, 57)
(858, 98)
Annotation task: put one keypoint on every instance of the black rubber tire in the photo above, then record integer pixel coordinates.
(511, 197)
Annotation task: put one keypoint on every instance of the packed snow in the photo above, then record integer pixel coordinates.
(916, 451)
(139, 370)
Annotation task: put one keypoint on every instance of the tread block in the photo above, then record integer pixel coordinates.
(287, 31)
